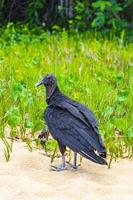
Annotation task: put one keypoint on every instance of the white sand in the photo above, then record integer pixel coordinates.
(27, 177)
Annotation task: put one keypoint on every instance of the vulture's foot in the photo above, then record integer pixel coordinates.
(58, 168)
(73, 166)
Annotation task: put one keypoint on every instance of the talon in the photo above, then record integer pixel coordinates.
(52, 166)
(58, 168)
(73, 166)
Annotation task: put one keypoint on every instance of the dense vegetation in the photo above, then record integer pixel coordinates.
(78, 14)
(90, 69)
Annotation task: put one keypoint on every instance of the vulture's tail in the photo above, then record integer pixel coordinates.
(90, 154)
(103, 154)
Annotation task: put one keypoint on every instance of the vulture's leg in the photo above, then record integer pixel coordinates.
(63, 164)
(74, 165)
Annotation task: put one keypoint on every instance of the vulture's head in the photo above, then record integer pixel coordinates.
(48, 81)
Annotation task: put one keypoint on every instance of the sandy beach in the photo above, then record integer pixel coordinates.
(27, 176)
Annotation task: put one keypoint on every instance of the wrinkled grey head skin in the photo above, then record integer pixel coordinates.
(48, 80)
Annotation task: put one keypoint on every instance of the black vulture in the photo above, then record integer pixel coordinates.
(71, 124)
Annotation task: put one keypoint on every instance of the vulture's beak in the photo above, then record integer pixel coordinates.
(39, 83)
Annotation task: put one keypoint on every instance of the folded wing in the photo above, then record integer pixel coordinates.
(89, 118)
(68, 126)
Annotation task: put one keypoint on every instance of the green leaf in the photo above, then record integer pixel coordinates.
(56, 28)
(108, 111)
(36, 60)
(99, 76)
(17, 89)
(26, 98)
(99, 21)
(13, 117)
(120, 79)
(50, 145)
(116, 7)
(28, 124)
(101, 5)
(122, 95)
(129, 132)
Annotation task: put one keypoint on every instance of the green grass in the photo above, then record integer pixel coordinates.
(95, 72)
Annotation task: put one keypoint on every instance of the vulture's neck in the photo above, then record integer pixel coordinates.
(52, 94)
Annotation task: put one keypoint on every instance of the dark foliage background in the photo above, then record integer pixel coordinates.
(80, 14)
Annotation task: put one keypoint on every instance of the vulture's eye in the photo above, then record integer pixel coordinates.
(48, 77)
